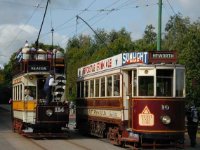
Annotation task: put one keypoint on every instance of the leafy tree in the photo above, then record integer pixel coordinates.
(148, 42)
(190, 56)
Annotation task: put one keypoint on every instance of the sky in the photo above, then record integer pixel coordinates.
(20, 20)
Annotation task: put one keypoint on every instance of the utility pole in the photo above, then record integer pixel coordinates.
(159, 25)
(52, 30)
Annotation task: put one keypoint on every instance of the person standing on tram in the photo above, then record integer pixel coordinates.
(49, 83)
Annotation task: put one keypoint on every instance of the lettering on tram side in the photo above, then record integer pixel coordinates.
(38, 66)
(18, 80)
(146, 118)
(104, 113)
(135, 57)
(162, 56)
(104, 64)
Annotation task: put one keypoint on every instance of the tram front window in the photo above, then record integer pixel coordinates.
(146, 86)
(180, 81)
(164, 86)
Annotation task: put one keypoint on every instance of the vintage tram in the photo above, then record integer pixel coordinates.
(133, 98)
(30, 115)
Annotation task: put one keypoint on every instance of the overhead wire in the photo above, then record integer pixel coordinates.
(20, 31)
(112, 10)
(101, 13)
(171, 7)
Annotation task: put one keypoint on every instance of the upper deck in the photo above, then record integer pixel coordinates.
(31, 60)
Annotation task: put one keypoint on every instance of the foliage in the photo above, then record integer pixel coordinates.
(180, 34)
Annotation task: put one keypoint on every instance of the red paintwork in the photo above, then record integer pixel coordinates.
(176, 112)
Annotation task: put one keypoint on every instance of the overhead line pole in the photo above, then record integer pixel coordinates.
(159, 25)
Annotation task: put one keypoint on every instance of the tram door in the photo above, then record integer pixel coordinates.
(127, 87)
(130, 98)
(130, 91)
(40, 86)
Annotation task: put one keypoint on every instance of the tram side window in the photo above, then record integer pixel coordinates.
(180, 81)
(164, 85)
(96, 87)
(146, 85)
(78, 89)
(29, 92)
(134, 83)
(82, 89)
(109, 86)
(20, 96)
(91, 88)
(103, 87)
(116, 85)
(86, 89)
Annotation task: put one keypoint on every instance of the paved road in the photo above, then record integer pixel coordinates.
(14, 141)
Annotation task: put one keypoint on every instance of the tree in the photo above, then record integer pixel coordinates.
(190, 56)
(148, 42)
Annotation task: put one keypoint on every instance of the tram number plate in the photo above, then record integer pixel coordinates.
(59, 109)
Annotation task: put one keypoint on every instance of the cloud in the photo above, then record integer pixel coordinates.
(189, 8)
(13, 37)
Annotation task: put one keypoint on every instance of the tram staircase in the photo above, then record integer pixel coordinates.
(59, 89)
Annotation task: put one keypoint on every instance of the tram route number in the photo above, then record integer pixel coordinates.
(59, 109)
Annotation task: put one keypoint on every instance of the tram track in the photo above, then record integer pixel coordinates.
(76, 144)
(35, 143)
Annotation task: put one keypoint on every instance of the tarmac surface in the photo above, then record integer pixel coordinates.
(187, 146)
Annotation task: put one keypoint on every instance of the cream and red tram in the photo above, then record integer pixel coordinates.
(134, 98)
(31, 116)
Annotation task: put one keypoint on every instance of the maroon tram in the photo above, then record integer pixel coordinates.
(134, 98)
(31, 116)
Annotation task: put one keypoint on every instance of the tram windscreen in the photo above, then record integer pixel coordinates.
(164, 82)
(180, 81)
(146, 85)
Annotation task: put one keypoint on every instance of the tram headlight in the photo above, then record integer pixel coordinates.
(49, 112)
(165, 119)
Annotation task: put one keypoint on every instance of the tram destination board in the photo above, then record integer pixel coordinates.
(162, 56)
(34, 66)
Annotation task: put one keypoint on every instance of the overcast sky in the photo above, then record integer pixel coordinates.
(20, 20)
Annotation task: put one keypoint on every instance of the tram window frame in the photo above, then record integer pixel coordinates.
(33, 90)
(149, 86)
(116, 85)
(86, 88)
(134, 84)
(20, 88)
(91, 88)
(109, 86)
(78, 89)
(102, 87)
(97, 87)
(180, 82)
(82, 89)
(164, 82)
